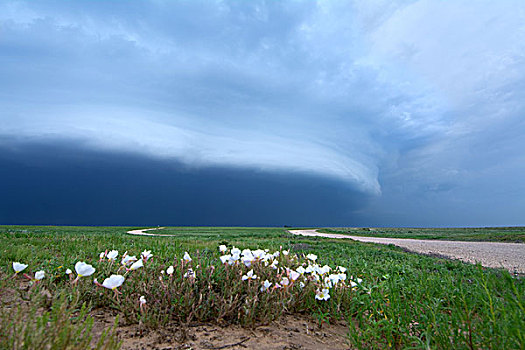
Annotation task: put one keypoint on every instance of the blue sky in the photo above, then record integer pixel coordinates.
(392, 113)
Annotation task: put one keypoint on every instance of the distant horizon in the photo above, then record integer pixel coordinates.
(284, 227)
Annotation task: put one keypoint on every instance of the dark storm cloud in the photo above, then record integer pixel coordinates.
(416, 105)
(59, 184)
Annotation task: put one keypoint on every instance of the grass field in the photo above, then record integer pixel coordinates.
(404, 300)
(494, 234)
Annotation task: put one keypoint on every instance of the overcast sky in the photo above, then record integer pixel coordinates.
(354, 113)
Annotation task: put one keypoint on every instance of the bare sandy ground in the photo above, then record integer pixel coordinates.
(510, 256)
(143, 232)
(290, 332)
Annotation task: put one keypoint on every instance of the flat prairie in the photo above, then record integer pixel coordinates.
(240, 287)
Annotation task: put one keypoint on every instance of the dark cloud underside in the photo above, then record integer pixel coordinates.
(63, 185)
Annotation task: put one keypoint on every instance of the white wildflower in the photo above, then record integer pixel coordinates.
(112, 255)
(84, 269)
(266, 284)
(113, 282)
(19, 267)
(146, 255)
(249, 276)
(323, 294)
(312, 257)
(137, 265)
(40, 275)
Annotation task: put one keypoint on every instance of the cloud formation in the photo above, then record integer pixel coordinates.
(413, 102)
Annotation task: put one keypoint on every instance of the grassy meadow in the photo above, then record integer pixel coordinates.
(483, 234)
(401, 300)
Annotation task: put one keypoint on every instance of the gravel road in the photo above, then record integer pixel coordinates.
(143, 232)
(510, 256)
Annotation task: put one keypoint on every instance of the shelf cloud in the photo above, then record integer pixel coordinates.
(419, 105)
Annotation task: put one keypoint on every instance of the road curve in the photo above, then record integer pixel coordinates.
(510, 256)
(143, 232)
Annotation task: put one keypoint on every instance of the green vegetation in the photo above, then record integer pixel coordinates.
(495, 234)
(59, 327)
(404, 301)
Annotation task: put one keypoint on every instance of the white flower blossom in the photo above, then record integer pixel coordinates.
(233, 259)
(146, 255)
(84, 269)
(247, 260)
(19, 267)
(323, 294)
(259, 254)
(225, 258)
(294, 275)
(112, 255)
(40, 275)
(322, 270)
(128, 259)
(249, 276)
(113, 282)
(235, 251)
(312, 257)
(266, 284)
(334, 278)
(137, 265)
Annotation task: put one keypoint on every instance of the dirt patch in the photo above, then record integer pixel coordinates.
(143, 232)
(291, 332)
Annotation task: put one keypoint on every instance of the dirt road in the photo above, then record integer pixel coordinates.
(143, 232)
(510, 256)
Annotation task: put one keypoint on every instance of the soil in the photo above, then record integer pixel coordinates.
(143, 232)
(291, 332)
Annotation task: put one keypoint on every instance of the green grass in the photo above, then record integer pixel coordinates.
(493, 234)
(405, 301)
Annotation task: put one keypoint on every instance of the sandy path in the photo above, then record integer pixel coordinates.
(510, 256)
(143, 232)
